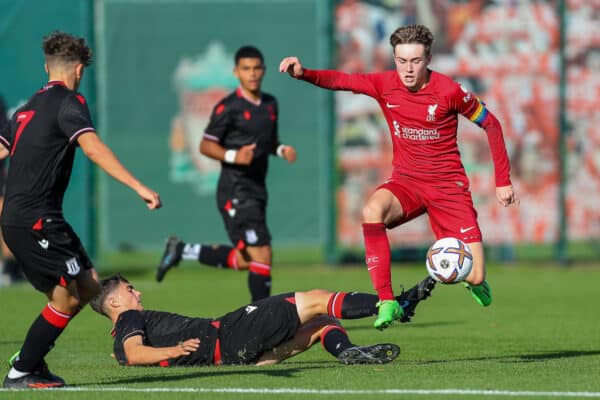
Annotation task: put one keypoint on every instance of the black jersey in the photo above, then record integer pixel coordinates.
(163, 329)
(237, 121)
(41, 138)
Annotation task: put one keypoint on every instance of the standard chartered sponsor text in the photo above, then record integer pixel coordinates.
(419, 133)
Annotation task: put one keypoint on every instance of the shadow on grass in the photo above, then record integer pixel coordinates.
(413, 325)
(201, 372)
(518, 358)
(557, 355)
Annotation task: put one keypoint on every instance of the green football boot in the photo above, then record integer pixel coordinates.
(389, 311)
(481, 293)
(40, 377)
(12, 359)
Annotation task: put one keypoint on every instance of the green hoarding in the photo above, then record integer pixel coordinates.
(164, 64)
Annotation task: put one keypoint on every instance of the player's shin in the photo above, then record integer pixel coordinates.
(40, 338)
(352, 305)
(221, 256)
(335, 340)
(377, 253)
(355, 305)
(259, 280)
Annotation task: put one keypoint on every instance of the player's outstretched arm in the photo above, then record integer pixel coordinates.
(328, 79)
(214, 150)
(103, 156)
(139, 354)
(292, 66)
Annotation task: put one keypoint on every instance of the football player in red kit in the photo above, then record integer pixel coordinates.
(421, 107)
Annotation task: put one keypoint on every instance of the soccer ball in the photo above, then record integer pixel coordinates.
(449, 260)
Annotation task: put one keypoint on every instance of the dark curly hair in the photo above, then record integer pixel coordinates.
(65, 48)
(418, 34)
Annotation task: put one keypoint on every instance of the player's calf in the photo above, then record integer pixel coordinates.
(259, 280)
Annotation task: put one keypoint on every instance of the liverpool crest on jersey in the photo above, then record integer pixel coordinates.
(431, 112)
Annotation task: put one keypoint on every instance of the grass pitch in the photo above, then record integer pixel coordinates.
(539, 339)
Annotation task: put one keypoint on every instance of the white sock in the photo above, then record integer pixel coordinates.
(191, 251)
(16, 374)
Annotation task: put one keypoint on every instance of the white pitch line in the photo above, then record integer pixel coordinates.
(473, 392)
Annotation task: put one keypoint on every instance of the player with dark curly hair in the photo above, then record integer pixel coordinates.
(41, 140)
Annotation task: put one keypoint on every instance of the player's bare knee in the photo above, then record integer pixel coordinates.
(313, 299)
(311, 304)
(261, 254)
(318, 294)
(372, 212)
(67, 305)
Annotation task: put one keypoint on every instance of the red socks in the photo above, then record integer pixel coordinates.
(377, 249)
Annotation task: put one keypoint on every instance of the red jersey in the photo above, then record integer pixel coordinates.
(423, 124)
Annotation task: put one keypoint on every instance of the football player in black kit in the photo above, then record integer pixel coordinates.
(263, 332)
(242, 134)
(41, 140)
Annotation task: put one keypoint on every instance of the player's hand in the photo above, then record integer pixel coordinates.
(292, 66)
(289, 153)
(151, 198)
(245, 154)
(507, 196)
(185, 348)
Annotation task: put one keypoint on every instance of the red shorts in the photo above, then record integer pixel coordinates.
(448, 204)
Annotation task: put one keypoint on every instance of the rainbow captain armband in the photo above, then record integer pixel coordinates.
(480, 113)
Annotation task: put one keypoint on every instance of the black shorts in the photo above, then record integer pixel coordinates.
(245, 221)
(248, 332)
(50, 256)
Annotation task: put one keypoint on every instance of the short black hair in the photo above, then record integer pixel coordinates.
(248, 52)
(63, 47)
(107, 286)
